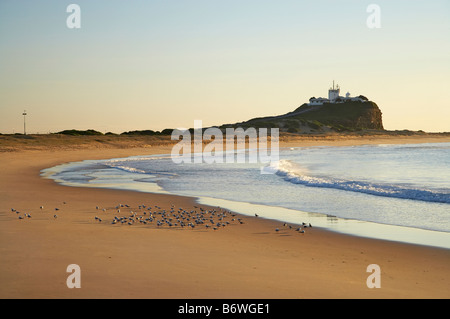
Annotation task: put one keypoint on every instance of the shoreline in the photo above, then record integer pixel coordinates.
(254, 261)
(349, 226)
(345, 226)
(280, 214)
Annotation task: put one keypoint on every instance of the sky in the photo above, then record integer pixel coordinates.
(156, 64)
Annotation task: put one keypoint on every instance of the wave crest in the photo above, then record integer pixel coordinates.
(294, 173)
(125, 165)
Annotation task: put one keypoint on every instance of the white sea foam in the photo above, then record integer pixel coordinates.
(294, 173)
(128, 169)
(403, 185)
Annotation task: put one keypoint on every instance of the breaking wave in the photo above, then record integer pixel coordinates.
(295, 174)
(127, 166)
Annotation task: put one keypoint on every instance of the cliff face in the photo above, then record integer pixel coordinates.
(372, 118)
(348, 116)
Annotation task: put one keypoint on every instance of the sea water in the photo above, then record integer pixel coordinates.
(393, 192)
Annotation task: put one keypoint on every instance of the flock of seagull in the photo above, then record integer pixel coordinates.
(173, 218)
(299, 229)
(27, 215)
(180, 217)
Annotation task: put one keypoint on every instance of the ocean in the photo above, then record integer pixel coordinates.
(392, 192)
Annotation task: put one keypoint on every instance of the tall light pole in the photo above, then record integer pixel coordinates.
(24, 123)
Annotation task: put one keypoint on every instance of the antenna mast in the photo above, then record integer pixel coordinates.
(24, 123)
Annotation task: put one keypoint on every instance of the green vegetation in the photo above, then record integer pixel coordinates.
(135, 133)
(363, 98)
(353, 115)
(79, 133)
(166, 131)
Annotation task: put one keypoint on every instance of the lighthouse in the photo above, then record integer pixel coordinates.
(333, 93)
(334, 98)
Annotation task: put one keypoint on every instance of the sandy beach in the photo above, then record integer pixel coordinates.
(248, 260)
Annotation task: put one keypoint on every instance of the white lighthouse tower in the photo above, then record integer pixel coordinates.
(333, 93)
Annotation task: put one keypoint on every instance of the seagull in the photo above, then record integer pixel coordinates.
(256, 215)
(42, 207)
(55, 216)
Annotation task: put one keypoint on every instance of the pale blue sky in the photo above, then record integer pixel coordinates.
(163, 64)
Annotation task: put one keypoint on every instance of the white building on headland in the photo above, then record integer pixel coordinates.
(334, 97)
